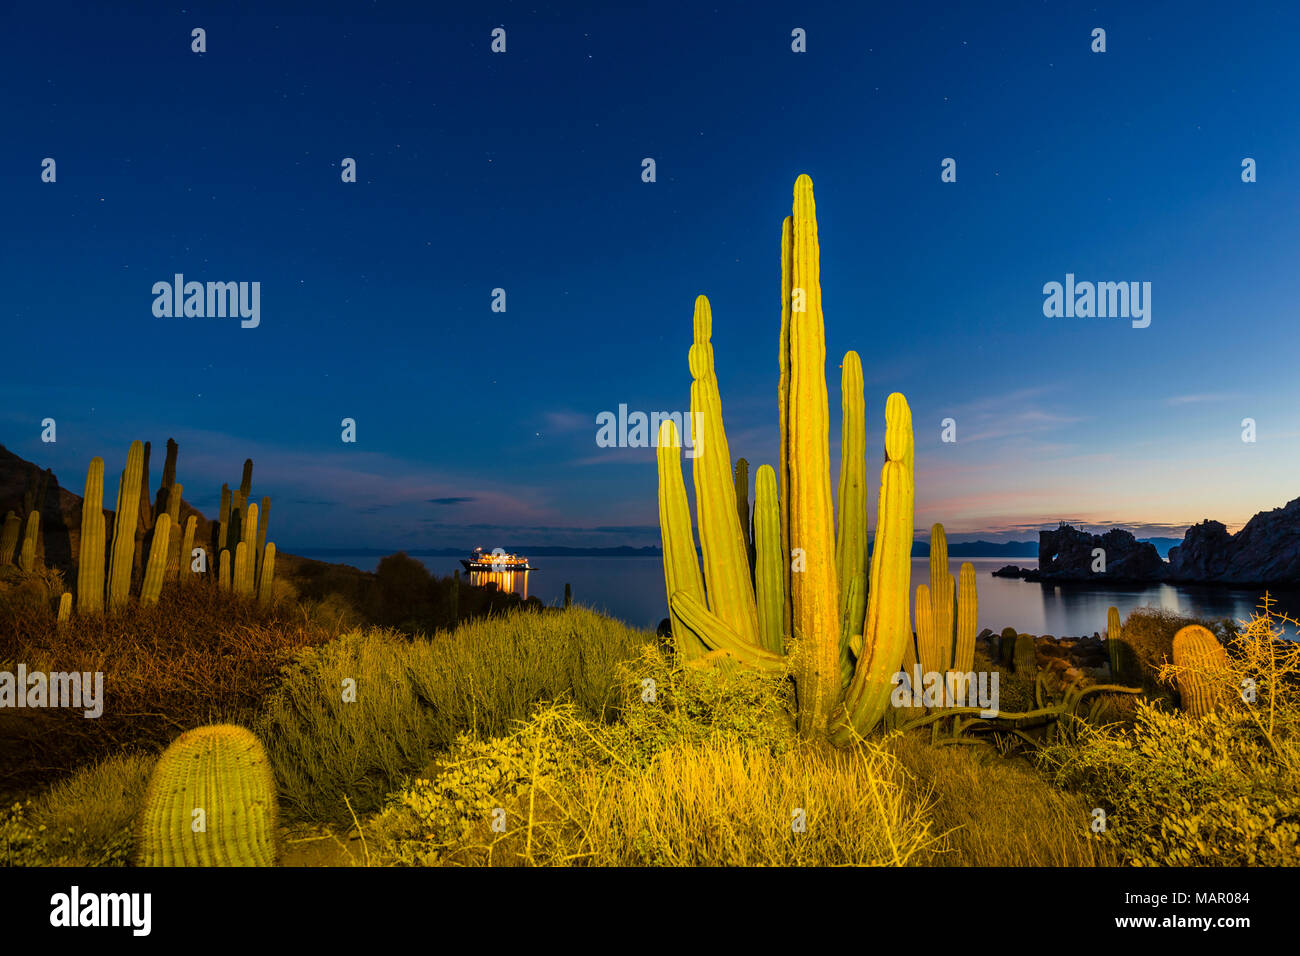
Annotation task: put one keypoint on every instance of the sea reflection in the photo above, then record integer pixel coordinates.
(516, 581)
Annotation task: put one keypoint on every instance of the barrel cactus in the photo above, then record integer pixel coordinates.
(1026, 660)
(1200, 660)
(210, 802)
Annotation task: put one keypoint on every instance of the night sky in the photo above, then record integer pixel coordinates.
(523, 171)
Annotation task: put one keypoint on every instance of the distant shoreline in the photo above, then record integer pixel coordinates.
(920, 549)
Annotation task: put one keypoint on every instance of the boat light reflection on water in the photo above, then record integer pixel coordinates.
(509, 572)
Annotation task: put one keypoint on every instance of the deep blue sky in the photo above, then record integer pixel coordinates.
(522, 171)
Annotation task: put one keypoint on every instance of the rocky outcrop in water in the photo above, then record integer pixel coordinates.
(1265, 551)
(1068, 554)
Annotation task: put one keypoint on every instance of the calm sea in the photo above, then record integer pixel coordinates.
(632, 589)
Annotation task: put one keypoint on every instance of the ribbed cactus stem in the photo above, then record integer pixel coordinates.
(888, 625)
(246, 481)
(851, 524)
(90, 562)
(942, 598)
(9, 538)
(1026, 658)
(187, 549)
(266, 580)
(815, 591)
(239, 575)
(211, 801)
(263, 519)
(928, 640)
(125, 522)
(681, 566)
(783, 410)
(174, 556)
(250, 547)
(717, 635)
(1201, 664)
(65, 607)
(726, 557)
(27, 555)
(769, 567)
(158, 550)
(223, 574)
(967, 617)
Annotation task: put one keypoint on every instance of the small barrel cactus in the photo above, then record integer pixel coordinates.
(1026, 660)
(1197, 656)
(211, 802)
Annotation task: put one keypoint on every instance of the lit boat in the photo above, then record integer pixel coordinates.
(495, 562)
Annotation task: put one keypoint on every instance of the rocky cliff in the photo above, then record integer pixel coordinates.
(1265, 551)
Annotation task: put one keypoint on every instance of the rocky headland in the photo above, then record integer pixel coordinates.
(1264, 553)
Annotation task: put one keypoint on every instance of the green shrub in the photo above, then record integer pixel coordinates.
(417, 695)
(86, 820)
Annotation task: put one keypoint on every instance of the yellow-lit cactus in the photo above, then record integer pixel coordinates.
(125, 521)
(1201, 664)
(681, 566)
(9, 538)
(223, 572)
(27, 554)
(158, 551)
(266, 579)
(814, 591)
(90, 564)
(239, 574)
(942, 597)
(769, 566)
(65, 607)
(967, 617)
(722, 543)
(845, 618)
(185, 570)
(211, 801)
(888, 625)
(851, 521)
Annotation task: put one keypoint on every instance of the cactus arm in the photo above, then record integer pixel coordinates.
(851, 526)
(726, 558)
(888, 624)
(681, 566)
(266, 581)
(715, 634)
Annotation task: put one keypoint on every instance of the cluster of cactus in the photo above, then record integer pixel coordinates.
(211, 801)
(1200, 661)
(106, 581)
(246, 561)
(812, 601)
(20, 538)
(945, 614)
